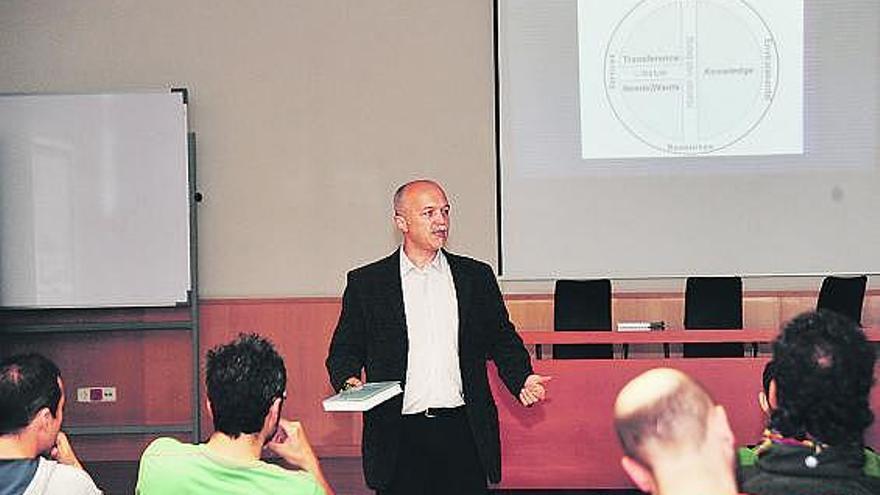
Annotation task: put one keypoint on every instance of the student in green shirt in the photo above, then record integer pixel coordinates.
(246, 382)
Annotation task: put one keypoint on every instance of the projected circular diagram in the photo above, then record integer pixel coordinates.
(691, 77)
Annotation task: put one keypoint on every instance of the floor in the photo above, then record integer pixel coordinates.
(344, 473)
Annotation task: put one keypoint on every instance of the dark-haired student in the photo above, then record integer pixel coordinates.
(748, 456)
(246, 382)
(31, 412)
(819, 401)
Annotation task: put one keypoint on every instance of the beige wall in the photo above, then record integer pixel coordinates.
(308, 114)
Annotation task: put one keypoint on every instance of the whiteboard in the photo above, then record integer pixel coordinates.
(94, 200)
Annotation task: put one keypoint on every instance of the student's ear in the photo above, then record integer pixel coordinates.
(640, 475)
(720, 435)
(764, 403)
(208, 405)
(272, 413)
(44, 419)
(721, 426)
(269, 425)
(773, 397)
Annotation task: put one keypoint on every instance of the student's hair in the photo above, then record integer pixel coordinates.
(824, 370)
(243, 378)
(28, 383)
(677, 417)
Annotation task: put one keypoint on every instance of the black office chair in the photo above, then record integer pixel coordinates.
(843, 295)
(582, 305)
(713, 303)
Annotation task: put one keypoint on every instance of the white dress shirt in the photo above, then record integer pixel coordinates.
(433, 377)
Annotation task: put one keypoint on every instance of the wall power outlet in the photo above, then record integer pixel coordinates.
(96, 394)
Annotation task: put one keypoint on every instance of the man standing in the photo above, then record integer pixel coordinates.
(676, 440)
(819, 402)
(31, 412)
(429, 319)
(246, 382)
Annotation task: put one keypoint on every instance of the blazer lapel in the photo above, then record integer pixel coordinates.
(463, 289)
(394, 294)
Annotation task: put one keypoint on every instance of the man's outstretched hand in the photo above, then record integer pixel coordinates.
(533, 390)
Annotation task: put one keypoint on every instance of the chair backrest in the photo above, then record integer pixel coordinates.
(713, 303)
(582, 305)
(844, 295)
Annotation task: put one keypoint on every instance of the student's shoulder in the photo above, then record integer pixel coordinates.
(746, 456)
(166, 445)
(872, 463)
(67, 479)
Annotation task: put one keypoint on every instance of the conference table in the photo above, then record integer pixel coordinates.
(568, 441)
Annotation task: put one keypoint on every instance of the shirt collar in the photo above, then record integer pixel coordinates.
(406, 266)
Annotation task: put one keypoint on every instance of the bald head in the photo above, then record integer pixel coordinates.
(659, 412)
(402, 192)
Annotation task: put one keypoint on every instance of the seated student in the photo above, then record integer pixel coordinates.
(748, 456)
(675, 439)
(822, 373)
(246, 382)
(31, 411)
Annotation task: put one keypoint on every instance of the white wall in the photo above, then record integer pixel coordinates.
(308, 114)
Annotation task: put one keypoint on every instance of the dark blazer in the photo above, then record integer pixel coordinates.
(372, 335)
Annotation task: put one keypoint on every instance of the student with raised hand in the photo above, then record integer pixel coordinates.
(675, 439)
(31, 413)
(246, 382)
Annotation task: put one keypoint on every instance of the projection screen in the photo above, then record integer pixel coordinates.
(666, 138)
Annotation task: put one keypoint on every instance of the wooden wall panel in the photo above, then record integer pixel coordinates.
(665, 307)
(152, 369)
(791, 306)
(871, 311)
(531, 312)
(762, 312)
(92, 448)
